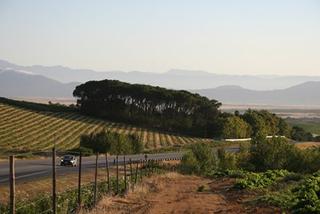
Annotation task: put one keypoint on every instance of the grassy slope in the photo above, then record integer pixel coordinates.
(24, 129)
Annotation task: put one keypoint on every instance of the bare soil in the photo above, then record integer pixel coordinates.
(176, 193)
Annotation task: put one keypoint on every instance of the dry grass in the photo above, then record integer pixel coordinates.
(306, 145)
(30, 189)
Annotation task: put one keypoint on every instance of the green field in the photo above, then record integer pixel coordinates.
(28, 130)
(309, 124)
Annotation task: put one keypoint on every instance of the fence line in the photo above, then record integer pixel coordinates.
(12, 186)
(54, 182)
(144, 167)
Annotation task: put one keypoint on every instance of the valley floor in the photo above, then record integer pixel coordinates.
(176, 193)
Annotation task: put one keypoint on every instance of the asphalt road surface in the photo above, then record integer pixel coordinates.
(41, 168)
(27, 170)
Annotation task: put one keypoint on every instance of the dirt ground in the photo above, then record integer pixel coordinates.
(176, 193)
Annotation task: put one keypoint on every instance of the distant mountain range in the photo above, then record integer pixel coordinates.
(303, 94)
(18, 84)
(59, 82)
(176, 78)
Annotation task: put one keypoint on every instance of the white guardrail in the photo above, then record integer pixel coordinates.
(248, 139)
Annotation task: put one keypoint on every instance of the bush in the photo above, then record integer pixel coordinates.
(226, 160)
(306, 161)
(189, 164)
(299, 134)
(254, 180)
(111, 142)
(275, 153)
(285, 200)
(307, 195)
(238, 173)
(200, 160)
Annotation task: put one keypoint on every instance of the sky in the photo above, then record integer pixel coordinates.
(226, 37)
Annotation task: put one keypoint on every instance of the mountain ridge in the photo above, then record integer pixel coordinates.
(19, 84)
(301, 94)
(174, 78)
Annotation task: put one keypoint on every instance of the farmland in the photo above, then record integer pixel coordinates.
(29, 130)
(309, 124)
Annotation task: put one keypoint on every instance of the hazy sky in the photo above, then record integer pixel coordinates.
(236, 37)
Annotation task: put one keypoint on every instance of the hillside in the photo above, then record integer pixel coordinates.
(22, 129)
(302, 94)
(19, 84)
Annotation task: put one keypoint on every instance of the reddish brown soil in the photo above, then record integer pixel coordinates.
(175, 193)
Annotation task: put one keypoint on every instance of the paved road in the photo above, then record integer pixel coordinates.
(35, 169)
(41, 168)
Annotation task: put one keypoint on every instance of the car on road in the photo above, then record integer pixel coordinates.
(69, 160)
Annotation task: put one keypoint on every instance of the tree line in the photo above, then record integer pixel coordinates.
(257, 123)
(177, 111)
(254, 123)
(170, 110)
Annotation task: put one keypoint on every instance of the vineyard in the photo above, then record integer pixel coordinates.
(28, 130)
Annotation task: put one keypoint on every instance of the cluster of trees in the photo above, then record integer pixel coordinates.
(261, 155)
(278, 153)
(111, 142)
(156, 107)
(254, 123)
(299, 134)
(177, 111)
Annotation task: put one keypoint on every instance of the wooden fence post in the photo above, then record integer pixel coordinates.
(12, 185)
(141, 168)
(54, 182)
(95, 180)
(108, 173)
(136, 177)
(152, 169)
(117, 162)
(79, 180)
(130, 162)
(146, 167)
(125, 173)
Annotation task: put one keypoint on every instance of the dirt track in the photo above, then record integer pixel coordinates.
(175, 193)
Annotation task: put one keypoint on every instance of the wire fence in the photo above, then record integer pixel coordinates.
(128, 172)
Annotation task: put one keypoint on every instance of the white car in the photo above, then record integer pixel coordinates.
(69, 160)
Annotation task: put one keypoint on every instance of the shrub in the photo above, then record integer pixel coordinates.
(226, 160)
(200, 160)
(189, 164)
(285, 199)
(307, 195)
(299, 134)
(254, 180)
(274, 153)
(306, 161)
